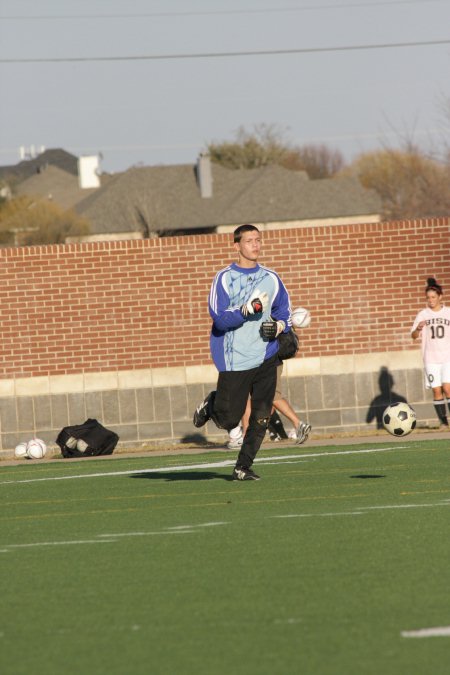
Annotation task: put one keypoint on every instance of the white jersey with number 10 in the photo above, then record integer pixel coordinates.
(435, 334)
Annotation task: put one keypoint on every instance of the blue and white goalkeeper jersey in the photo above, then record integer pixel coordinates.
(236, 343)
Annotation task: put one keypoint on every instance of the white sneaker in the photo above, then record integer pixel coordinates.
(292, 434)
(235, 438)
(236, 432)
(235, 445)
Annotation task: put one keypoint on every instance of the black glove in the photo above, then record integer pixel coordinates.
(268, 330)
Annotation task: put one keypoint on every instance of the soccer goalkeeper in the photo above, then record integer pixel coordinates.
(249, 306)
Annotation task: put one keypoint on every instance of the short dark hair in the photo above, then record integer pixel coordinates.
(239, 231)
(432, 285)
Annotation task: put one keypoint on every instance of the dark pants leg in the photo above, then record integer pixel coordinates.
(230, 401)
(262, 392)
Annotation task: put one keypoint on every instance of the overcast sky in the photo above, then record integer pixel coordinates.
(154, 81)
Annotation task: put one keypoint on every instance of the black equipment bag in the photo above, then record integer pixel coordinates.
(87, 440)
(288, 344)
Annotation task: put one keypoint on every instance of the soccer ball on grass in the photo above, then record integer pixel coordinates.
(399, 419)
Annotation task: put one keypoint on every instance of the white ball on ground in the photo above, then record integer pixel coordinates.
(399, 419)
(301, 317)
(36, 448)
(81, 445)
(20, 451)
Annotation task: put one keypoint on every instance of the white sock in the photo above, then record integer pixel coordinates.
(236, 433)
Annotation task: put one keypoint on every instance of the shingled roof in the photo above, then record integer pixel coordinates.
(29, 167)
(55, 185)
(166, 199)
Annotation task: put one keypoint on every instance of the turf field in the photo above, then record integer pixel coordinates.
(337, 562)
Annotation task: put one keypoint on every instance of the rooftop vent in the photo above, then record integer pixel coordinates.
(204, 176)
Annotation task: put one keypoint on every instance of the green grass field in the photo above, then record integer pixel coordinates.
(337, 562)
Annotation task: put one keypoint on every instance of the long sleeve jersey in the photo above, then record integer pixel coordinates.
(236, 343)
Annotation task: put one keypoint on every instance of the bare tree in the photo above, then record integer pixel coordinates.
(25, 221)
(318, 161)
(410, 184)
(266, 145)
(249, 150)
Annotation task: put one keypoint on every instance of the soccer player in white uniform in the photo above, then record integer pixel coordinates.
(432, 324)
(249, 306)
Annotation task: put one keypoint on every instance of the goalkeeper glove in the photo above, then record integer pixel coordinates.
(256, 304)
(270, 330)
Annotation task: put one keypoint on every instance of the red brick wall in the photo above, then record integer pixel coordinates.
(142, 304)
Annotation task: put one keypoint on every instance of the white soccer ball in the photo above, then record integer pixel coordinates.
(301, 317)
(36, 448)
(399, 419)
(20, 451)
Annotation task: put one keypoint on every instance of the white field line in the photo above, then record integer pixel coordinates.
(112, 538)
(439, 631)
(173, 530)
(37, 544)
(213, 524)
(103, 539)
(362, 510)
(319, 515)
(206, 465)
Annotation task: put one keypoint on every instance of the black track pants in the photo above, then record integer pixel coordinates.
(233, 390)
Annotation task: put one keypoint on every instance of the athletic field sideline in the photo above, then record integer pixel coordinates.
(335, 563)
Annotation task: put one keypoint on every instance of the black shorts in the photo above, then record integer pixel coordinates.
(235, 386)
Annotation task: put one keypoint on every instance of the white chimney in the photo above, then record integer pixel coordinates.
(204, 175)
(89, 171)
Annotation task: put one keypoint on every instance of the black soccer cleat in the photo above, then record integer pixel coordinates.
(241, 473)
(203, 412)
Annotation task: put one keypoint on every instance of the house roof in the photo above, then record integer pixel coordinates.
(54, 184)
(29, 167)
(166, 198)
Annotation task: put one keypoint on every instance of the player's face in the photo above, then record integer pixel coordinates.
(433, 300)
(249, 247)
